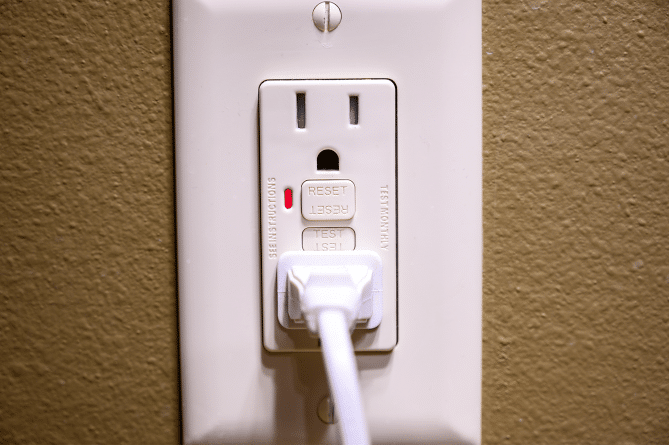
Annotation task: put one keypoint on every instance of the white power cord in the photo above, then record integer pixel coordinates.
(342, 376)
(335, 292)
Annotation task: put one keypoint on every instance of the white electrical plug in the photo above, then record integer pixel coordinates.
(328, 185)
(319, 288)
(352, 280)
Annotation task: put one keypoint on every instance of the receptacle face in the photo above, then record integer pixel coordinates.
(328, 183)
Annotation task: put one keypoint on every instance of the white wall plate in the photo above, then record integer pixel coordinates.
(426, 389)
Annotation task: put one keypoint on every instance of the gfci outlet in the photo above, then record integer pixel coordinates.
(328, 181)
(328, 130)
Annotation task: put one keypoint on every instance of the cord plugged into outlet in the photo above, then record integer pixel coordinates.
(339, 278)
(332, 292)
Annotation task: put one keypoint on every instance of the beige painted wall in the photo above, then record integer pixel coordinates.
(576, 263)
(576, 223)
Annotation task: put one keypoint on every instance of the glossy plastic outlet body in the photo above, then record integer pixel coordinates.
(351, 124)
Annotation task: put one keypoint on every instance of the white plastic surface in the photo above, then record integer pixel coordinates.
(427, 390)
(359, 195)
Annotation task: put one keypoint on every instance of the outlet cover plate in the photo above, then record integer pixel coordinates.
(428, 388)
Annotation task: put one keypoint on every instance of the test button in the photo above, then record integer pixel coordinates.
(328, 200)
(328, 238)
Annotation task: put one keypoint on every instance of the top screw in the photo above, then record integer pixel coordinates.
(327, 16)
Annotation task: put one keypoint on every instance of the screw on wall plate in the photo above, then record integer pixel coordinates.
(326, 410)
(327, 16)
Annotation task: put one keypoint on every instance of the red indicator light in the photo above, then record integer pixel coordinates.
(288, 198)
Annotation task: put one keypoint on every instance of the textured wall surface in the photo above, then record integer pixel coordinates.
(576, 159)
(576, 214)
(87, 280)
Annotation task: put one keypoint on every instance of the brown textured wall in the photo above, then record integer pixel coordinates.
(576, 159)
(576, 281)
(87, 280)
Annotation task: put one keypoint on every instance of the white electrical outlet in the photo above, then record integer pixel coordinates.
(424, 386)
(328, 182)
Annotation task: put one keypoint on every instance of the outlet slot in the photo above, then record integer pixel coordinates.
(353, 110)
(327, 160)
(301, 110)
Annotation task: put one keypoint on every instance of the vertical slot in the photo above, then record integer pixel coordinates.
(353, 110)
(301, 110)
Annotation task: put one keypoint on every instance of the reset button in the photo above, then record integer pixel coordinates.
(328, 200)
